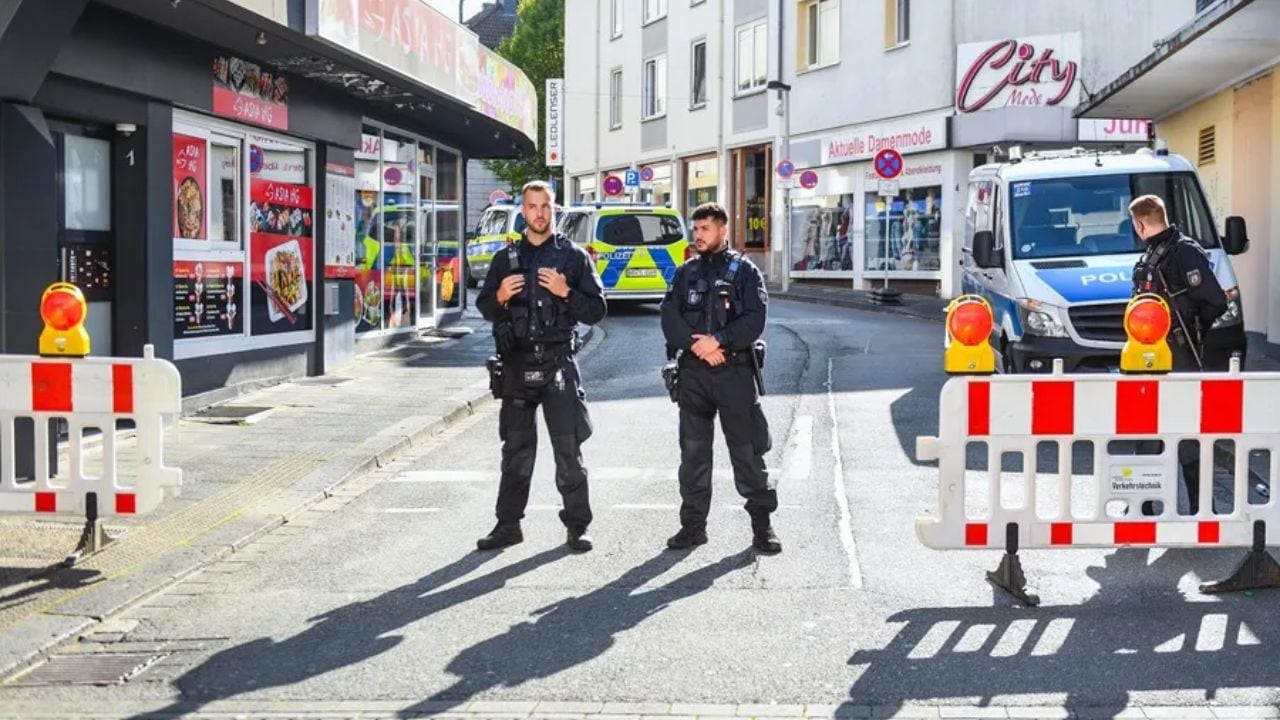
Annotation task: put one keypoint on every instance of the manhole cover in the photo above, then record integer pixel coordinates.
(322, 381)
(233, 414)
(107, 669)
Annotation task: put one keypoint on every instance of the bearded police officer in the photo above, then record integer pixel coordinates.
(712, 316)
(535, 294)
(1177, 268)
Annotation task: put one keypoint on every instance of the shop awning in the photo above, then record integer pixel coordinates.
(1224, 45)
(448, 86)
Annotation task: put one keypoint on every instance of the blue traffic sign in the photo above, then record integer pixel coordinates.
(632, 178)
(646, 174)
(786, 169)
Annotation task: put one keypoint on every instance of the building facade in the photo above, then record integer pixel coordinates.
(1213, 91)
(495, 22)
(928, 78)
(257, 188)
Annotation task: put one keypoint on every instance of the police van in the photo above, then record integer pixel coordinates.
(1048, 241)
(500, 225)
(637, 248)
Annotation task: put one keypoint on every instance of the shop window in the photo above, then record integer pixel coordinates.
(822, 233)
(224, 194)
(448, 215)
(701, 181)
(655, 87)
(819, 33)
(585, 188)
(753, 56)
(753, 201)
(698, 79)
(909, 238)
(368, 226)
(660, 193)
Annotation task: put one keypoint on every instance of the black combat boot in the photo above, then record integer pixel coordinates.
(687, 538)
(502, 535)
(578, 540)
(764, 539)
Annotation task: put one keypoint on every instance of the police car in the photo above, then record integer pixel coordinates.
(1048, 241)
(637, 248)
(500, 225)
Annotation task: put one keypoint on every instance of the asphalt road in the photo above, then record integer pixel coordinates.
(385, 598)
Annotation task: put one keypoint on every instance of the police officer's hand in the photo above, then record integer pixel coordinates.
(510, 287)
(554, 282)
(704, 345)
(715, 359)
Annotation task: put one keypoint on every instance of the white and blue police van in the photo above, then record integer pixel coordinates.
(1048, 241)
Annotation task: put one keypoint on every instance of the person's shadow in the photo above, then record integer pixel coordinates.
(573, 631)
(345, 636)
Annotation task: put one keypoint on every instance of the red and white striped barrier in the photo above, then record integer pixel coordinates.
(88, 393)
(1017, 413)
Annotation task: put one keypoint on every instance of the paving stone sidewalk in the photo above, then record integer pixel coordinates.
(240, 480)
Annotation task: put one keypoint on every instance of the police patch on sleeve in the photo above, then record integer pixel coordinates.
(1193, 278)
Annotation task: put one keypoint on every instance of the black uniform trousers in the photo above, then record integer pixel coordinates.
(730, 391)
(564, 410)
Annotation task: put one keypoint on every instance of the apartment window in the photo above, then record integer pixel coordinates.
(897, 22)
(655, 87)
(698, 82)
(615, 18)
(615, 99)
(753, 56)
(819, 33)
(654, 10)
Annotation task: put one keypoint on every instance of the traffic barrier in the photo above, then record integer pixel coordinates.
(1131, 429)
(87, 393)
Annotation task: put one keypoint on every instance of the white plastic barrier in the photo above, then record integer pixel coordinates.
(88, 393)
(1016, 413)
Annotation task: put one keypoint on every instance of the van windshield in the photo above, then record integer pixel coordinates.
(1089, 215)
(639, 229)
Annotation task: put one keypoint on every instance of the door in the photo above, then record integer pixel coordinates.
(86, 239)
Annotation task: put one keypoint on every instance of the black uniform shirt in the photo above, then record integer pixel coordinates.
(538, 315)
(693, 304)
(1192, 288)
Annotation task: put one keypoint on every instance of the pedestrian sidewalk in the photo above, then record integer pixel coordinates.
(919, 306)
(302, 439)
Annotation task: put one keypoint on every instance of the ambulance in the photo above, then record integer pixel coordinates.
(637, 248)
(1049, 243)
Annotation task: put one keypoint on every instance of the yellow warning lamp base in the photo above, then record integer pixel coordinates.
(1145, 358)
(68, 343)
(975, 357)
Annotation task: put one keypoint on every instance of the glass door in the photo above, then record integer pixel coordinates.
(427, 237)
(450, 284)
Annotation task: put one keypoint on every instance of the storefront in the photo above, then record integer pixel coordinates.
(701, 181)
(249, 198)
(845, 229)
(753, 200)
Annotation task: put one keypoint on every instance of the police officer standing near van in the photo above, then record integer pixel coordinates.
(1176, 268)
(535, 294)
(712, 316)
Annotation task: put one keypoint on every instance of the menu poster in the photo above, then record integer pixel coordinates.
(280, 287)
(207, 298)
(340, 221)
(190, 158)
(280, 208)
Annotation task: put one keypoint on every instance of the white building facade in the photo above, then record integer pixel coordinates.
(944, 83)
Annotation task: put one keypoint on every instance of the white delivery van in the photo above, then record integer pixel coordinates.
(1049, 243)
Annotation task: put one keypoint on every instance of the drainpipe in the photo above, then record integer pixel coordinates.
(600, 10)
(722, 98)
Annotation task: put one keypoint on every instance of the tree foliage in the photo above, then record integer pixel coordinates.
(537, 48)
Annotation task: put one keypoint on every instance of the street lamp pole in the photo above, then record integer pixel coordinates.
(784, 97)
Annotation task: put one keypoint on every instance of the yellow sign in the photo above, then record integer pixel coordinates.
(1146, 324)
(969, 324)
(63, 309)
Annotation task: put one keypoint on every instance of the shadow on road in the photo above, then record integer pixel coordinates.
(1095, 655)
(564, 635)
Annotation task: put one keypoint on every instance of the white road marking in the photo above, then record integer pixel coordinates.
(444, 476)
(799, 452)
(409, 511)
(842, 500)
(604, 473)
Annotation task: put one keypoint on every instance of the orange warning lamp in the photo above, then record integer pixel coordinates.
(1146, 323)
(63, 309)
(969, 324)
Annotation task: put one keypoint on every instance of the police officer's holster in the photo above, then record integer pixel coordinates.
(544, 375)
(730, 391)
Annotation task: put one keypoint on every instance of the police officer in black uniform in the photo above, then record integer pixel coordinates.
(1177, 268)
(712, 316)
(535, 294)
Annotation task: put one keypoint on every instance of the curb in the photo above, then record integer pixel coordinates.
(859, 304)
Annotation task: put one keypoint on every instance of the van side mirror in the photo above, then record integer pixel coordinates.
(1237, 240)
(985, 254)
